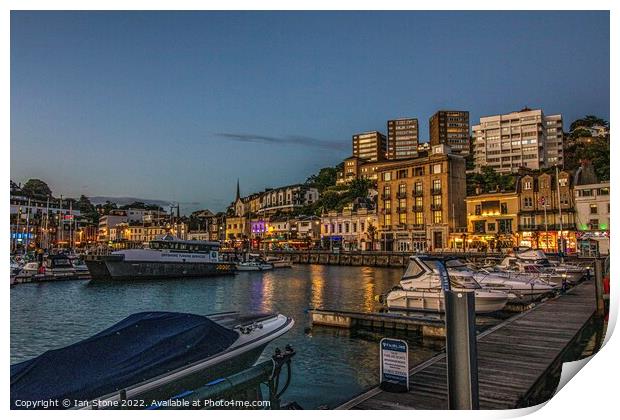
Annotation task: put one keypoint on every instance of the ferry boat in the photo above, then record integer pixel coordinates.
(168, 257)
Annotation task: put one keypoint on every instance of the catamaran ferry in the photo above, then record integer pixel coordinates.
(168, 257)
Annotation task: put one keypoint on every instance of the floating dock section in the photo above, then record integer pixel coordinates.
(426, 326)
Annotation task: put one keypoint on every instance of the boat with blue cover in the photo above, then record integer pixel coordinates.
(146, 357)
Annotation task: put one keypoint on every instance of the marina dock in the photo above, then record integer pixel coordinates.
(426, 326)
(515, 359)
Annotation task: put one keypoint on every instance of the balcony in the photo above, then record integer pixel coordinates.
(401, 226)
(418, 193)
(386, 196)
(435, 191)
(417, 208)
(417, 226)
(401, 209)
(435, 206)
(401, 194)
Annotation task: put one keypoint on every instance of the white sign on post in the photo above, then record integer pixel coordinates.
(394, 365)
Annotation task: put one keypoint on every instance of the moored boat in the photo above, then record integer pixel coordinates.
(149, 355)
(520, 286)
(279, 262)
(253, 266)
(420, 289)
(168, 257)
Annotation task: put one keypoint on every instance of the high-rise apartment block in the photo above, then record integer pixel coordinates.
(371, 146)
(402, 140)
(524, 139)
(451, 128)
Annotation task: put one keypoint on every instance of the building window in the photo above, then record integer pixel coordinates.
(593, 224)
(527, 185)
(479, 226)
(387, 219)
(593, 209)
(527, 202)
(419, 218)
(388, 205)
(436, 168)
(437, 217)
(504, 225)
(418, 188)
(387, 176)
(437, 185)
(491, 227)
(478, 210)
(402, 218)
(503, 208)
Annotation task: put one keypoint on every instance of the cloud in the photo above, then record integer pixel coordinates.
(291, 140)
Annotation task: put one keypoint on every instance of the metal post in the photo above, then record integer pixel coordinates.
(461, 351)
(598, 281)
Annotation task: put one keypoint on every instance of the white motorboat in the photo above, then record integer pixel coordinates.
(420, 289)
(534, 261)
(520, 286)
(253, 266)
(147, 356)
(279, 262)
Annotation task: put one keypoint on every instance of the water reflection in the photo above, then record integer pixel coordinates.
(331, 365)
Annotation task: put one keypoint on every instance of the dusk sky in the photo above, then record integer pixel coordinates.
(177, 106)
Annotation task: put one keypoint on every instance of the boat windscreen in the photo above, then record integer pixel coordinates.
(465, 282)
(414, 270)
(140, 347)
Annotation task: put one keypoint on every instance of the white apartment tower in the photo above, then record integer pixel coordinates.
(527, 138)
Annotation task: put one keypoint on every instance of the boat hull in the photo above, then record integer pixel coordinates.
(116, 268)
(431, 301)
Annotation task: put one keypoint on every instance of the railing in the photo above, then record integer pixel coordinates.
(417, 208)
(418, 193)
(401, 209)
(386, 196)
(417, 226)
(401, 194)
(435, 191)
(435, 206)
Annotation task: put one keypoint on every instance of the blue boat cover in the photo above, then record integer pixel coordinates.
(140, 347)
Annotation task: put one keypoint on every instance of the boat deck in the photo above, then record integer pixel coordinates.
(514, 357)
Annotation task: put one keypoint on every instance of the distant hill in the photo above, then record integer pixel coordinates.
(121, 201)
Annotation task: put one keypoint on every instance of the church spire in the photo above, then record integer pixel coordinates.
(238, 193)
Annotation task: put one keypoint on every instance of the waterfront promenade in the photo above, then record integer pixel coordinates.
(515, 359)
(385, 259)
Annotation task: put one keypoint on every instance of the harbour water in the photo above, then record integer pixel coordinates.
(330, 367)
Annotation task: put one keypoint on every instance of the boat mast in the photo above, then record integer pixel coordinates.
(27, 225)
(561, 244)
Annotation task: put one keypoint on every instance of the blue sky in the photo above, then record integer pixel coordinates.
(178, 105)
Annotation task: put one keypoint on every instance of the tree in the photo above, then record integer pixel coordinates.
(36, 188)
(595, 150)
(371, 232)
(488, 180)
(87, 209)
(588, 121)
(325, 178)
